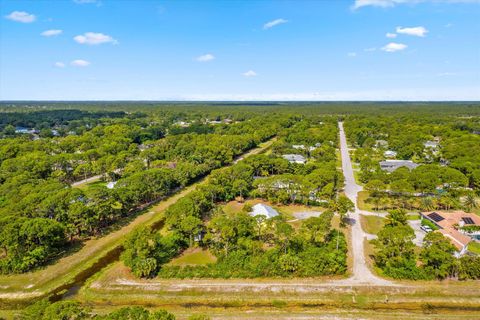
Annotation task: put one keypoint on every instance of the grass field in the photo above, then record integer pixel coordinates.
(313, 298)
(362, 197)
(474, 247)
(193, 257)
(372, 224)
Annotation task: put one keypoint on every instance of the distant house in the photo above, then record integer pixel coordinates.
(295, 158)
(24, 130)
(390, 154)
(381, 144)
(431, 145)
(182, 124)
(298, 146)
(451, 225)
(392, 165)
(261, 209)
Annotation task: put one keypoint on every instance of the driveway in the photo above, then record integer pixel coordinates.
(419, 233)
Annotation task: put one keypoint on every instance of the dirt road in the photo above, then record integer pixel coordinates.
(361, 272)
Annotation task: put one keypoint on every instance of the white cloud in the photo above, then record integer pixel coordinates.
(205, 57)
(80, 63)
(274, 23)
(51, 33)
(369, 49)
(391, 3)
(413, 31)
(449, 25)
(59, 64)
(249, 73)
(92, 38)
(352, 54)
(391, 35)
(21, 16)
(393, 46)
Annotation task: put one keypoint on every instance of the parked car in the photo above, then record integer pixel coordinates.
(427, 229)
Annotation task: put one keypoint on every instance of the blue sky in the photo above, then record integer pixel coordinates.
(240, 50)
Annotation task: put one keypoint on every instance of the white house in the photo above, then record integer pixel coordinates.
(431, 145)
(261, 209)
(390, 154)
(298, 146)
(295, 158)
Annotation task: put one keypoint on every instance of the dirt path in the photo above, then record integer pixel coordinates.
(361, 272)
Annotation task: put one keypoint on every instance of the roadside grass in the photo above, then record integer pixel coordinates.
(362, 204)
(22, 288)
(356, 174)
(372, 224)
(116, 287)
(474, 247)
(193, 257)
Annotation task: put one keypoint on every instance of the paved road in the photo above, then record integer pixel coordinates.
(361, 272)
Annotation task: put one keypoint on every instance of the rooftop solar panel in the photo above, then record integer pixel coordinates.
(468, 220)
(436, 217)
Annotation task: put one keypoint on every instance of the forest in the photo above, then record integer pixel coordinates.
(75, 172)
(41, 214)
(248, 246)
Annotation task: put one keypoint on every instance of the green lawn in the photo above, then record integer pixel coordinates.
(193, 257)
(362, 201)
(413, 216)
(372, 224)
(474, 247)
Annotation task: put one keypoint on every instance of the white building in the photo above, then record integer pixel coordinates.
(261, 209)
(390, 154)
(295, 158)
(298, 146)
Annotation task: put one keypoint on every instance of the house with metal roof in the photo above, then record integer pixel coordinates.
(261, 209)
(295, 158)
(392, 165)
(390, 154)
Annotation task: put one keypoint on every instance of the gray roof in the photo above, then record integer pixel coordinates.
(294, 158)
(392, 165)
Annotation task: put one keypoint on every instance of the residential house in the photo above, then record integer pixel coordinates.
(390, 154)
(431, 145)
(456, 226)
(295, 158)
(381, 144)
(392, 165)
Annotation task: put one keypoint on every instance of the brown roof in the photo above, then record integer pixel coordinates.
(450, 221)
(459, 240)
(454, 217)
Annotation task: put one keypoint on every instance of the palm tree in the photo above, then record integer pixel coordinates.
(470, 202)
(427, 204)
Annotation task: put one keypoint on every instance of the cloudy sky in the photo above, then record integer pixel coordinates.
(240, 50)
